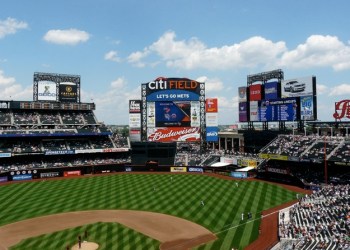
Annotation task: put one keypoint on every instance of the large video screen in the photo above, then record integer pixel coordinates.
(298, 87)
(173, 114)
(278, 110)
(273, 110)
(47, 91)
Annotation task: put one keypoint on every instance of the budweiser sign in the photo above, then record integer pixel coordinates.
(342, 109)
(174, 134)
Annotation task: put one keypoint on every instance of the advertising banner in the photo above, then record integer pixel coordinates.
(212, 119)
(173, 134)
(242, 110)
(60, 152)
(254, 113)
(135, 120)
(116, 150)
(195, 169)
(211, 105)
(47, 91)
(212, 134)
(174, 114)
(238, 174)
(229, 160)
(135, 135)
(255, 92)
(87, 151)
(68, 92)
(22, 177)
(195, 114)
(271, 91)
(277, 170)
(72, 173)
(297, 87)
(49, 175)
(178, 169)
(134, 106)
(242, 94)
(173, 89)
(2, 155)
(307, 108)
(151, 114)
(3, 179)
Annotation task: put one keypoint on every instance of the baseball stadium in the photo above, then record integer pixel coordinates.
(173, 178)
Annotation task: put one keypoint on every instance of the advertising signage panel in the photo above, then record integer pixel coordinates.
(173, 89)
(243, 117)
(271, 90)
(255, 92)
(242, 94)
(254, 111)
(47, 91)
(68, 92)
(173, 134)
(212, 134)
(211, 105)
(307, 108)
(298, 87)
(134, 106)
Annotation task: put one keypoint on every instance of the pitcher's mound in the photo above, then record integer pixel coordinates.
(86, 246)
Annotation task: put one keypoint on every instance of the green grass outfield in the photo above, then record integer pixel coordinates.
(221, 214)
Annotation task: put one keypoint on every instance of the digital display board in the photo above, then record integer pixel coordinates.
(278, 110)
(173, 114)
(304, 86)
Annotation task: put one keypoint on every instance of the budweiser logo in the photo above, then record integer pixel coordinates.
(172, 134)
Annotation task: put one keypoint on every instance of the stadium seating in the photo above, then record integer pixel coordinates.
(319, 221)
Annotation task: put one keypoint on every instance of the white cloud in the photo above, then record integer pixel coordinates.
(113, 104)
(11, 26)
(321, 89)
(194, 54)
(211, 85)
(66, 37)
(318, 51)
(135, 58)
(10, 89)
(118, 83)
(343, 89)
(112, 56)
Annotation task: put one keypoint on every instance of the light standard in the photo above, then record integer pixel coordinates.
(325, 162)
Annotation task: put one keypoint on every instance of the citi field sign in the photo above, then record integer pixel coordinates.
(170, 89)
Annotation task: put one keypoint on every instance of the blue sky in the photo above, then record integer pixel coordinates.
(117, 45)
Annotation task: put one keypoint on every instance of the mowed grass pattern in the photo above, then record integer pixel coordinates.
(110, 236)
(178, 195)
